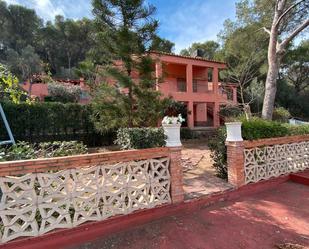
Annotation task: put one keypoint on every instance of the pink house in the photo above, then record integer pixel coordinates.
(195, 82)
(40, 90)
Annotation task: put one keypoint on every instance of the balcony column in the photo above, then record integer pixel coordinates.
(189, 78)
(190, 117)
(215, 80)
(234, 94)
(158, 73)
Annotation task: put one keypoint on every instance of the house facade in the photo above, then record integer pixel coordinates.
(40, 90)
(195, 82)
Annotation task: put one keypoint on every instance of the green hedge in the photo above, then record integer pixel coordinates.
(40, 122)
(253, 129)
(258, 128)
(140, 138)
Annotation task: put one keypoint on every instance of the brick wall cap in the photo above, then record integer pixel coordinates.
(275, 140)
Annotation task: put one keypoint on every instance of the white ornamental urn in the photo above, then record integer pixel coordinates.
(233, 132)
(171, 127)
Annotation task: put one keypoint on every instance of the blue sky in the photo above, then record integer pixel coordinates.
(181, 21)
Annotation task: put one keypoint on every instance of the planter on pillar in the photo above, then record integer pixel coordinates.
(233, 131)
(171, 126)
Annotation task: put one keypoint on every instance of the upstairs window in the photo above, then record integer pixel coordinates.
(181, 85)
(210, 74)
(195, 86)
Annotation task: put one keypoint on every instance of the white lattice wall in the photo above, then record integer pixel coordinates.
(37, 203)
(262, 163)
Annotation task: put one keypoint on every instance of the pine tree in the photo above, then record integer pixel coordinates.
(126, 30)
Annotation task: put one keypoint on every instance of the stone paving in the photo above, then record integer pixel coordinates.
(199, 176)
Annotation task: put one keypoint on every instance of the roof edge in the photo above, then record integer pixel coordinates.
(187, 57)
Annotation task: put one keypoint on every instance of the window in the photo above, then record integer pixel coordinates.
(210, 74)
(181, 85)
(195, 86)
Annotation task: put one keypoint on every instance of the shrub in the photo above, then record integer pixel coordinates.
(39, 122)
(230, 111)
(281, 114)
(174, 108)
(140, 138)
(61, 148)
(218, 152)
(257, 128)
(297, 129)
(25, 150)
(64, 93)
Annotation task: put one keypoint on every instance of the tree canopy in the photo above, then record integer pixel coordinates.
(127, 32)
(58, 47)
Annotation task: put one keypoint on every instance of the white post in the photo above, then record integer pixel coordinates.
(172, 132)
(233, 132)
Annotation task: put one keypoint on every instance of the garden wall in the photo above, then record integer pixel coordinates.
(42, 195)
(262, 159)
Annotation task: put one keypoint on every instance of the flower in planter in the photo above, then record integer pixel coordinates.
(173, 120)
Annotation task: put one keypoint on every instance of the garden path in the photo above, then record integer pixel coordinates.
(199, 175)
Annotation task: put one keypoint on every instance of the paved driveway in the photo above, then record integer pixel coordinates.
(260, 221)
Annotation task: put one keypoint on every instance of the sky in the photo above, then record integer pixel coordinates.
(181, 21)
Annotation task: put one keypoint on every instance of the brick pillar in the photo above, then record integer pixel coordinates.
(159, 73)
(235, 95)
(235, 163)
(189, 76)
(177, 193)
(215, 80)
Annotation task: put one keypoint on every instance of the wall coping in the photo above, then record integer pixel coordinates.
(276, 140)
(20, 167)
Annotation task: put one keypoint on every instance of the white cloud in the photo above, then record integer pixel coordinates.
(11, 1)
(46, 9)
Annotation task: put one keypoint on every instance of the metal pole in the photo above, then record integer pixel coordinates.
(7, 126)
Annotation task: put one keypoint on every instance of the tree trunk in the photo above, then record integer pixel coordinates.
(273, 69)
(270, 89)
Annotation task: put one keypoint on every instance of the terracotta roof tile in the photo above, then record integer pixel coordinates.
(187, 57)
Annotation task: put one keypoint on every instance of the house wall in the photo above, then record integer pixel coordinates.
(171, 67)
(40, 90)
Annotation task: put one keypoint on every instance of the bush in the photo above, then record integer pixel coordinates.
(297, 129)
(64, 93)
(257, 128)
(218, 152)
(174, 108)
(140, 138)
(230, 111)
(39, 122)
(24, 150)
(281, 114)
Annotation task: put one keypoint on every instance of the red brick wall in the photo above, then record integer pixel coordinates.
(235, 154)
(14, 168)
